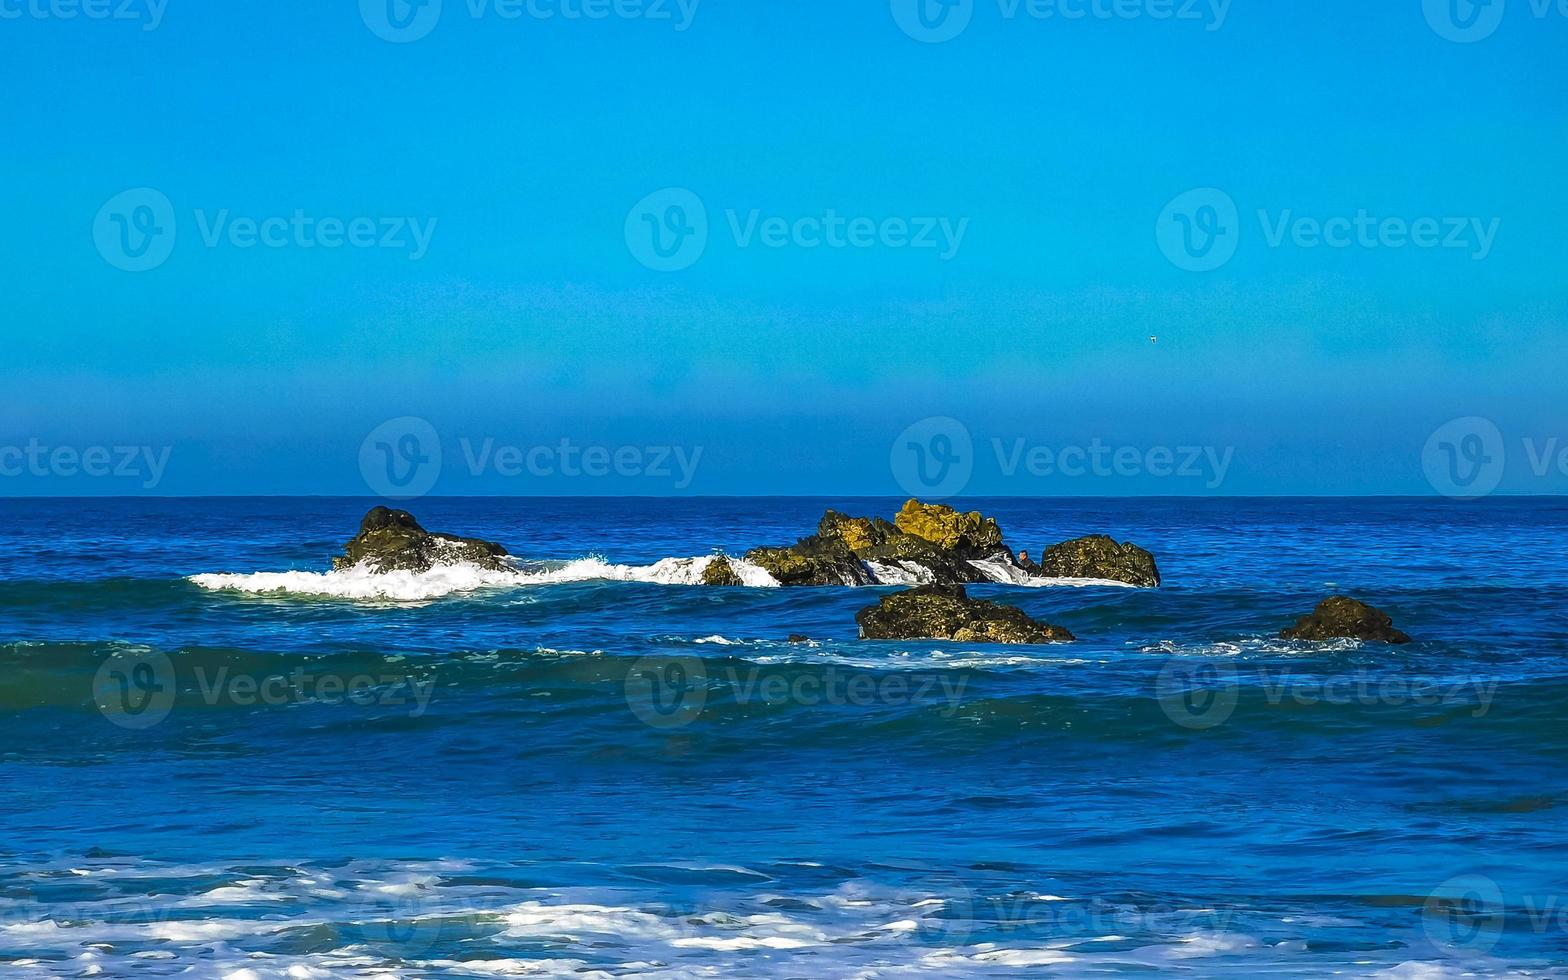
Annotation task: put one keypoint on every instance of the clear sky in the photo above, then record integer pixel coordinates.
(980, 213)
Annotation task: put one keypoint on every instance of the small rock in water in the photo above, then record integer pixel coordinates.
(1340, 618)
(721, 572)
(945, 612)
(392, 541)
(1099, 556)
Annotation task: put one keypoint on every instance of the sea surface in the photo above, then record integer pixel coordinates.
(217, 759)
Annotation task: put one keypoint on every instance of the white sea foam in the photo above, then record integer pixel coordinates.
(361, 583)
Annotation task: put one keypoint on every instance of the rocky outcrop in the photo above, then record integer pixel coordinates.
(945, 612)
(933, 538)
(1099, 556)
(1341, 617)
(968, 535)
(392, 541)
(720, 571)
(812, 561)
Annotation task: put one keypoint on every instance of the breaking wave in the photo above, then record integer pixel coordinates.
(458, 578)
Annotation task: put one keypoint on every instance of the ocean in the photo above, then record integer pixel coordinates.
(221, 760)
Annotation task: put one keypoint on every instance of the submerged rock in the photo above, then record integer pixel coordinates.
(929, 540)
(945, 612)
(1099, 556)
(1341, 617)
(392, 541)
(721, 572)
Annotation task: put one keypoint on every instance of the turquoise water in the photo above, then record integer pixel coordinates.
(585, 770)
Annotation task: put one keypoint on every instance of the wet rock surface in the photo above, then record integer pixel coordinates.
(946, 612)
(393, 541)
(1099, 556)
(1341, 617)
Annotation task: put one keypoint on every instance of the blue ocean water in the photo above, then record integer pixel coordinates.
(589, 771)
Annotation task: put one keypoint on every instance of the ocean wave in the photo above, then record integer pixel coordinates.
(358, 919)
(362, 583)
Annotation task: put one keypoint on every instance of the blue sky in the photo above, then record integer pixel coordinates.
(1010, 185)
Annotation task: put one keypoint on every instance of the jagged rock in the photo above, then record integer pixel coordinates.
(721, 572)
(970, 535)
(798, 638)
(936, 538)
(812, 561)
(1341, 617)
(945, 612)
(1099, 556)
(392, 541)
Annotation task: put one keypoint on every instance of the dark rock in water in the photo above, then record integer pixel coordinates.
(945, 612)
(812, 561)
(1342, 617)
(721, 572)
(392, 541)
(1099, 556)
(934, 537)
(799, 638)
